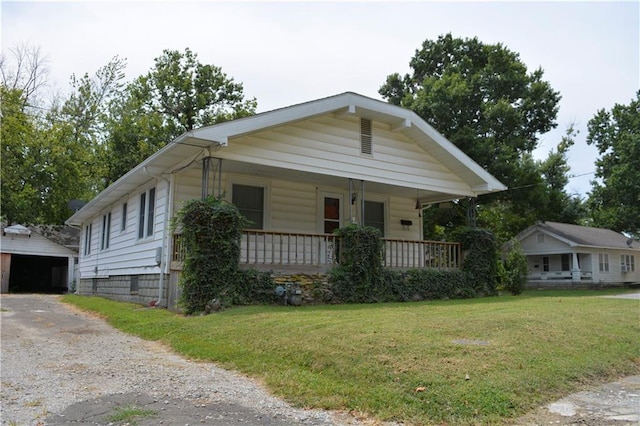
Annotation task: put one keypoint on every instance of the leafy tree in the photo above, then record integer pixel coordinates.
(178, 94)
(19, 195)
(615, 201)
(544, 197)
(52, 157)
(557, 205)
(481, 97)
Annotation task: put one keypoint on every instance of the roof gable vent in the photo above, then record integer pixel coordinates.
(365, 136)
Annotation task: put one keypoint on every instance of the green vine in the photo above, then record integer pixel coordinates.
(211, 233)
(358, 278)
(481, 260)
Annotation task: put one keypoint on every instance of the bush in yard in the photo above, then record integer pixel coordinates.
(516, 270)
(358, 278)
(480, 259)
(211, 233)
(435, 284)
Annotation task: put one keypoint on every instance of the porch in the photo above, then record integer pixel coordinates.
(571, 266)
(559, 275)
(293, 252)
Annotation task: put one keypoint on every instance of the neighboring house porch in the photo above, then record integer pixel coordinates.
(559, 254)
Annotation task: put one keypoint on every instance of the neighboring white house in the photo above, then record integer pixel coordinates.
(297, 173)
(38, 259)
(564, 255)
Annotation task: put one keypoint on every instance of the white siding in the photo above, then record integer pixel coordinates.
(35, 245)
(530, 245)
(615, 275)
(126, 253)
(328, 145)
(294, 206)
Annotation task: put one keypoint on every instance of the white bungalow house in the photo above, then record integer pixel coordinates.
(38, 259)
(564, 255)
(297, 173)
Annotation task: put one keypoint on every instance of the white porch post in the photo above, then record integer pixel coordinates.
(575, 271)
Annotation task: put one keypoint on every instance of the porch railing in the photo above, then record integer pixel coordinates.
(291, 249)
(421, 254)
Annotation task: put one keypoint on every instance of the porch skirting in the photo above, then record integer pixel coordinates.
(142, 289)
(570, 285)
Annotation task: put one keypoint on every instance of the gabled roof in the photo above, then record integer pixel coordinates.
(193, 142)
(576, 235)
(60, 235)
(63, 235)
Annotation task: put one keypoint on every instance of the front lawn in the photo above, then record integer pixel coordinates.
(459, 361)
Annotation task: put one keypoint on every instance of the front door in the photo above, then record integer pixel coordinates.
(331, 206)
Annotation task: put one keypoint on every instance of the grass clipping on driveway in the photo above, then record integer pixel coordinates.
(461, 362)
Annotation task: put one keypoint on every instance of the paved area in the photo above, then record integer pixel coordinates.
(614, 401)
(632, 296)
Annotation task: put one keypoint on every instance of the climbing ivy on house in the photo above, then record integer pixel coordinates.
(211, 232)
(481, 260)
(358, 278)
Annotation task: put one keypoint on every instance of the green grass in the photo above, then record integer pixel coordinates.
(129, 415)
(399, 362)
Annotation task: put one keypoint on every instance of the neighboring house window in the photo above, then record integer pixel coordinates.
(564, 260)
(374, 215)
(250, 202)
(147, 210)
(106, 231)
(87, 239)
(123, 219)
(540, 238)
(545, 263)
(366, 143)
(603, 262)
(627, 263)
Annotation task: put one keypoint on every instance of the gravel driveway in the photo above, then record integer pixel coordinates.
(61, 366)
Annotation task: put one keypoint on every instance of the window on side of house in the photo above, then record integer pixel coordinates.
(123, 218)
(603, 262)
(564, 260)
(374, 215)
(151, 206)
(146, 213)
(627, 263)
(545, 263)
(87, 239)
(250, 202)
(106, 231)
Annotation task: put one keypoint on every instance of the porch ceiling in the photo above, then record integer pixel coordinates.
(268, 172)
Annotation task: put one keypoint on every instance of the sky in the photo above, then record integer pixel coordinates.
(289, 52)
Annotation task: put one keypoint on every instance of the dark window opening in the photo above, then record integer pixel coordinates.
(250, 202)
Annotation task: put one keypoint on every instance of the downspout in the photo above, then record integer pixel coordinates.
(362, 203)
(75, 267)
(165, 245)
